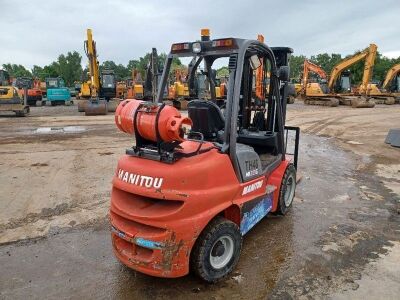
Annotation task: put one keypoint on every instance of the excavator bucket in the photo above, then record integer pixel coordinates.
(82, 104)
(362, 102)
(96, 107)
(113, 104)
(393, 137)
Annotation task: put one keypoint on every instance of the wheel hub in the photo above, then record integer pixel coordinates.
(222, 252)
(289, 193)
(218, 249)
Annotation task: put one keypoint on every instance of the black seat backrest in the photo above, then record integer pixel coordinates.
(262, 142)
(207, 118)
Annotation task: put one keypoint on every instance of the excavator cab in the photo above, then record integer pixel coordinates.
(4, 78)
(343, 84)
(182, 198)
(394, 85)
(108, 86)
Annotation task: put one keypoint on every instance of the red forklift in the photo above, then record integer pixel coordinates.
(182, 199)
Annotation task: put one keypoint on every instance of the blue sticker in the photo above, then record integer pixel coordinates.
(259, 211)
(148, 244)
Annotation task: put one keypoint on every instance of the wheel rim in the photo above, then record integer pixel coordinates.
(221, 252)
(289, 193)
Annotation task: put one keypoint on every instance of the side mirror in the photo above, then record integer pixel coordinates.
(283, 73)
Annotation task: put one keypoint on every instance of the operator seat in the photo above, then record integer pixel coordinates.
(207, 118)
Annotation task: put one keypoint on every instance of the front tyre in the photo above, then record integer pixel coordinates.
(217, 250)
(287, 192)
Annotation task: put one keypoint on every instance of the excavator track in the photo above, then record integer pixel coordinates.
(362, 103)
(357, 102)
(321, 101)
(384, 100)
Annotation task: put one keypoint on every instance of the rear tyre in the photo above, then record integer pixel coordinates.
(287, 192)
(217, 250)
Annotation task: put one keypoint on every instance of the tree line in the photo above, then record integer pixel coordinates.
(69, 67)
(328, 61)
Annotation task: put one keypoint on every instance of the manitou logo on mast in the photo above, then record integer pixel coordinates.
(140, 180)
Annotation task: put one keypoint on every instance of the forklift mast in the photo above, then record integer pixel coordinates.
(250, 127)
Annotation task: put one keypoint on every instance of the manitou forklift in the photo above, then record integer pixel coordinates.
(183, 199)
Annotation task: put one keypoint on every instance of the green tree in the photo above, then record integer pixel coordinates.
(326, 61)
(223, 72)
(49, 71)
(382, 65)
(16, 70)
(69, 67)
(121, 72)
(37, 71)
(296, 66)
(132, 64)
(142, 63)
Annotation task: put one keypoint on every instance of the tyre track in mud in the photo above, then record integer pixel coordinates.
(348, 247)
(315, 127)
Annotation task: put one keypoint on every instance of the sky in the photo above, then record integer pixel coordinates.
(36, 32)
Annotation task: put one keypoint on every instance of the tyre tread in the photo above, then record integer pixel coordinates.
(200, 246)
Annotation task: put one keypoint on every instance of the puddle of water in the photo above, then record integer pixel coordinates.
(67, 129)
(74, 129)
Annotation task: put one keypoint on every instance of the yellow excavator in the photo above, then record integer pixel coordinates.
(10, 98)
(84, 93)
(309, 88)
(135, 88)
(343, 86)
(102, 86)
(339, 85)
(389, 91)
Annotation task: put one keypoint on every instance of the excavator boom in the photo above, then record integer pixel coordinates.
(308, 67)
(369, 56)
(91, 53)
(395, 70)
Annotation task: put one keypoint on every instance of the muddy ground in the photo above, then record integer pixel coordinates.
(341, 240)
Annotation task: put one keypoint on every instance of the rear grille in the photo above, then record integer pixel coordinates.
(140, 206)
(131, 227)
(128, 210)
